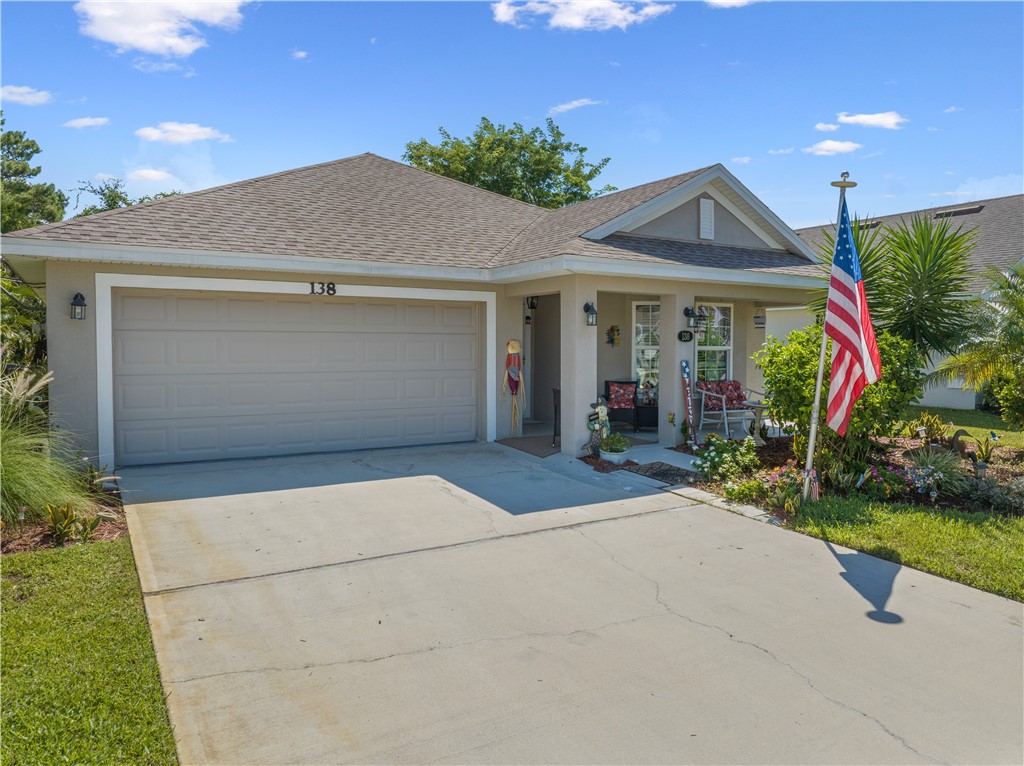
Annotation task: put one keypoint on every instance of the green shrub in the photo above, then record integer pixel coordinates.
(790, 369)
(751, 491)
(615, 442)
(784, 486)
(940, 472)
(934, 428)
(719, 459)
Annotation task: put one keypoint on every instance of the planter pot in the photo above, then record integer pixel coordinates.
(615, 457)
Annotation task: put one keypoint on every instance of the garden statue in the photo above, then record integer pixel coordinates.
(597, 424)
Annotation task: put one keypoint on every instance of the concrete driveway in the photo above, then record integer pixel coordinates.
(474, 604)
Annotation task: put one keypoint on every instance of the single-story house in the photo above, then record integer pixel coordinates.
(365, 303)
(999, 244)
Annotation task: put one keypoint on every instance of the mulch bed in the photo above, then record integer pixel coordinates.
(603, 466)
(35, 535)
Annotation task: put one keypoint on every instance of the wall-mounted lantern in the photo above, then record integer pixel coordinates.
(528, 319)
(694, 319)
(78, 306)
(532, 302)
(759, 318)
(591, 311)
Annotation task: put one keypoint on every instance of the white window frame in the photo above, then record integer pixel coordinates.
(634, 373)
(728, 349)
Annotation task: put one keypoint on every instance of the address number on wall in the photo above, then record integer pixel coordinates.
(322, 288)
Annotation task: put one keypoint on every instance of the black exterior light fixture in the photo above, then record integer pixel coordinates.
(694, 319)
(78, 306)
(532, 301)
(591, 311)
(759, 318)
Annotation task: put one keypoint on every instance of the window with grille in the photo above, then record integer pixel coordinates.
(714, 342)
(646, 350)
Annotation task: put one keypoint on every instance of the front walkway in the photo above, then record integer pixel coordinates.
(474, 604)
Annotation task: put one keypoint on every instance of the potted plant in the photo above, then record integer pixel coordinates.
(614, 448)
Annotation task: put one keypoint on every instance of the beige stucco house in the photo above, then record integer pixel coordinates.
(364, 303)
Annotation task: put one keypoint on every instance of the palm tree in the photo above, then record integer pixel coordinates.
(926, 284)
(915, 277)
(995, 351)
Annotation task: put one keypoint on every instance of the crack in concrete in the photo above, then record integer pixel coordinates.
(425, 650)
(428, 549)
(769, 653)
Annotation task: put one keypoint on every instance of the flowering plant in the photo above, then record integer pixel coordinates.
(721, 459)
(885, 482)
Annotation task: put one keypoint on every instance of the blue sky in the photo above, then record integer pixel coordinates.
(921, 102)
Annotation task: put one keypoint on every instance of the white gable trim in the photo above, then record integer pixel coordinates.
(105, 283)
(686, 191)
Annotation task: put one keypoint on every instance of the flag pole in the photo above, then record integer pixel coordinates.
(842, 185)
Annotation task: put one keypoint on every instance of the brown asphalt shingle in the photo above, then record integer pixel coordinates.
(999, 224)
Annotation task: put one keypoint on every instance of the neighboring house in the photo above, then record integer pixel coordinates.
(364, 303)
(998, 244)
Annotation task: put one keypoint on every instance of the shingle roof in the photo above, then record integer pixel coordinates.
(999, 224)
(368, 208)
(558, 232)
(360, 208)
(642, 248)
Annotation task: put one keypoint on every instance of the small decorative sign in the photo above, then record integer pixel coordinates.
(613, 336)
(685, 336)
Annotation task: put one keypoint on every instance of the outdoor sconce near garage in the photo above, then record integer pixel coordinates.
(591, 311)
(695, 318)
(759, 318)
(78, 306)
(532, 301)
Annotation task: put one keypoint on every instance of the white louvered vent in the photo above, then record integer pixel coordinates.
(707, 218)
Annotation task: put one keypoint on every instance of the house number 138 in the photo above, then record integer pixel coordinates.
(321, 288)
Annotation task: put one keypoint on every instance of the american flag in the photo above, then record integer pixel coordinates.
(855, 360)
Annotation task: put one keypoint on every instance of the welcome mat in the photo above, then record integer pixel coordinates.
(670, 474)
(539, 446)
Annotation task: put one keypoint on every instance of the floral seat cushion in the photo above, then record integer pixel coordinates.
(621, 396)
(735, 398)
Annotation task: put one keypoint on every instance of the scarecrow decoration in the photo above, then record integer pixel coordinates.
(597, 424)
(513, 383)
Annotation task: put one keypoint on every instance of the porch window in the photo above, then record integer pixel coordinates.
(646, 350)
(714, 342)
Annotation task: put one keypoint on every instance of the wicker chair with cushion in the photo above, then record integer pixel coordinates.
(723, 401)
(620, 397)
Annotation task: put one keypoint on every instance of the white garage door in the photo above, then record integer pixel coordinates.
(201, 375)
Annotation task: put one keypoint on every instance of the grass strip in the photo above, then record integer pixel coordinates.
(975, 422)
(975, 549)
(80, 680)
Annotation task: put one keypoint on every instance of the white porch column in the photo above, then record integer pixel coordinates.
(579, 363)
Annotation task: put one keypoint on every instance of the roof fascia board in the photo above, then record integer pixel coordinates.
(154, 256)
(579, 264)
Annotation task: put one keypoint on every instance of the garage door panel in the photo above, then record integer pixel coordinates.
(200, 376)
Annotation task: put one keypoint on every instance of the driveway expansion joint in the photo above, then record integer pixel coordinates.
(658, 598)
(413, 551)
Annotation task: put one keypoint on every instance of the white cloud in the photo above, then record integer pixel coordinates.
(831, 148)
(22, 94)
(826, 127)
(181, 133)
(888, 120)
(932, 130)
(161, 27)
(949, 173)
(787, 150)
(581, 15)
(951, 109)
(86, 122)
(299, 55)
(150, 67)
(741, 160)
(729, 3)
(373, 41)
(986, 188)
(570, 105)
(103, 177)
(148, 174)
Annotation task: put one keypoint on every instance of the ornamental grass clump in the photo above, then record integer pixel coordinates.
(36, 467)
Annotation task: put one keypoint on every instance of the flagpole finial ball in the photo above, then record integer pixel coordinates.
(844, 184)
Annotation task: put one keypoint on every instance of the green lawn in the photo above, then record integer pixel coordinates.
(977, 423)
(976, 549)
(80, 680)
